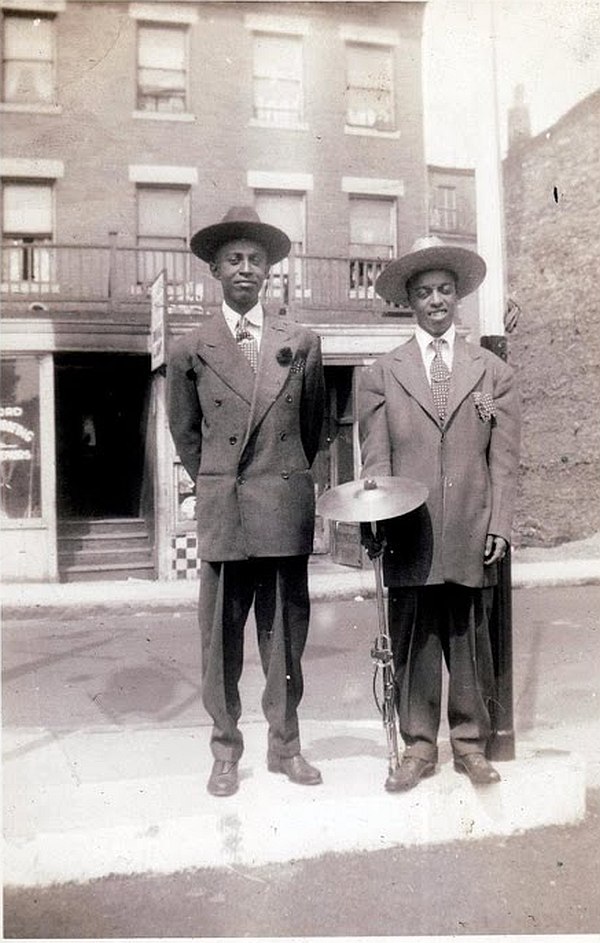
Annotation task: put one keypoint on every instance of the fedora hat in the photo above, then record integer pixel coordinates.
(240, 222)
(429, 253)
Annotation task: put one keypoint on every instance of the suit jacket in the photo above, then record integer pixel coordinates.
(248, 440)
(469, 463)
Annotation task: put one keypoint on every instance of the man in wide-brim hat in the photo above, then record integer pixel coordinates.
(444, 412)
(245, 402)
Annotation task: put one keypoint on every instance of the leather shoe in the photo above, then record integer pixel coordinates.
(223, 780)
(295, 768)
(411, 771)
(477, 768)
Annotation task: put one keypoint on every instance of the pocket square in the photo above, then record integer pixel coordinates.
(485, 406)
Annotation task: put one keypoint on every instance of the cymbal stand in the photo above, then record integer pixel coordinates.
(381, 654)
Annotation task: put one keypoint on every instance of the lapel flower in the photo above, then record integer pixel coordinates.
(284, 356)
(485, 406)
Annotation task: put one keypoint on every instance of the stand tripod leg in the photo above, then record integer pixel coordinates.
(382, 653)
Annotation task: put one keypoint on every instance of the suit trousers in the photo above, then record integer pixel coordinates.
(278, 587)
(426, 623)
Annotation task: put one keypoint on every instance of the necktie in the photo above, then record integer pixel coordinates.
(247, 343)
(440, 378)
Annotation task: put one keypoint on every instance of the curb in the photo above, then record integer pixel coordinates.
(28, 600)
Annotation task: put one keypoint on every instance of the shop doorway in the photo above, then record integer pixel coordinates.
(101, 404)
(338, 461)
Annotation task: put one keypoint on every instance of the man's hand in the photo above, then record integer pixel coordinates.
(495, 549)
(373, 543)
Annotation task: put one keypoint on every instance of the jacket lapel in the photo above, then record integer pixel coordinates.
(217, 346)
(467, 367)
(409, 371)
(271, 375)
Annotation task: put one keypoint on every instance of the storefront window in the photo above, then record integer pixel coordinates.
(20, 478)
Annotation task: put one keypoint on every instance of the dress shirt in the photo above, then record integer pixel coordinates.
(254, 320)
(427, 352)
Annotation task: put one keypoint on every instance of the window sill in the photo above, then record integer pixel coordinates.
(257, 123)
(371, 132)
(184, 116)
(30, 108)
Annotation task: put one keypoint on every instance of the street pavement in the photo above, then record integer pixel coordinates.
(106, 742)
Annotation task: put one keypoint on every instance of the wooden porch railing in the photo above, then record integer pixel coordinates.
(120, 277)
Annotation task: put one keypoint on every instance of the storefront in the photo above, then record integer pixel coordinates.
(91, 487)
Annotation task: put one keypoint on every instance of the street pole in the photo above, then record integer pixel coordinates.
(492, 305)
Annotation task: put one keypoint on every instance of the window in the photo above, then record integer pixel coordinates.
(286, 211)
(372, 242)
(369, 87)
(20, 476)
(27, 215)
(444, 211)
(162, 68)
(278, 79)
(28, 59)
(163, 230)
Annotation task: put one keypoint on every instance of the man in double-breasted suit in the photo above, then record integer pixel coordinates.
(446, 413)
(245, 403)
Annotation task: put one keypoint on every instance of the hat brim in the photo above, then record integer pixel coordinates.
(468, 268)
(207, 242)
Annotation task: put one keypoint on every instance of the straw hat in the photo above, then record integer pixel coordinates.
(426, 254)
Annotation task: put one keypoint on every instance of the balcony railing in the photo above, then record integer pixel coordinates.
(117, 278)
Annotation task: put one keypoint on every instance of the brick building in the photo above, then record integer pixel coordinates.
(126, 127)
(551, 185)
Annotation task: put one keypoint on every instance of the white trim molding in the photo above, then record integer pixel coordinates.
(269, 23)
(162, 13)
(371, 132)
(369, 35)
(158, 173)
(275, 180)
(31, 167)
(372, 186)
(31, 6)
(184, 117)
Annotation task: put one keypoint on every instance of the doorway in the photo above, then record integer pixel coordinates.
(101, 405)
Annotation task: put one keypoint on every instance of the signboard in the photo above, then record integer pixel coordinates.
(157, 321)
(20, 475)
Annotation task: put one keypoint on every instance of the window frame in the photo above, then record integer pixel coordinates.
(153, 258)
(299, 121)
(352, 127)
(29, 254)
(15, 104)
(445, 211)
(172, 114)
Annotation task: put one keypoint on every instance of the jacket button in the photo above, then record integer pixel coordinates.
(285, 475)
(283, 436)
(233, 439)
(218, 402)
(241, 480)
(289, 398)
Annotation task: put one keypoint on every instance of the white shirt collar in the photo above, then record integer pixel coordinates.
(254, 316)
(424, 339)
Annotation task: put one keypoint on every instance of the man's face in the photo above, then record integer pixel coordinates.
(432, 296)
(241, 266)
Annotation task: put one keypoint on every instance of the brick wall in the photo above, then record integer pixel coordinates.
(97, 136)
(551, 188)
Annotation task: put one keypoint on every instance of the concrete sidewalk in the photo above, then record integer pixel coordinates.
(125, 801)
(106, 747)
(571, 564)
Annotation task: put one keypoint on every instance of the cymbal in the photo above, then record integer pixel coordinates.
(372, 499)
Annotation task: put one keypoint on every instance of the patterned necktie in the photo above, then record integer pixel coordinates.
(440, 378)
(247, 343)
